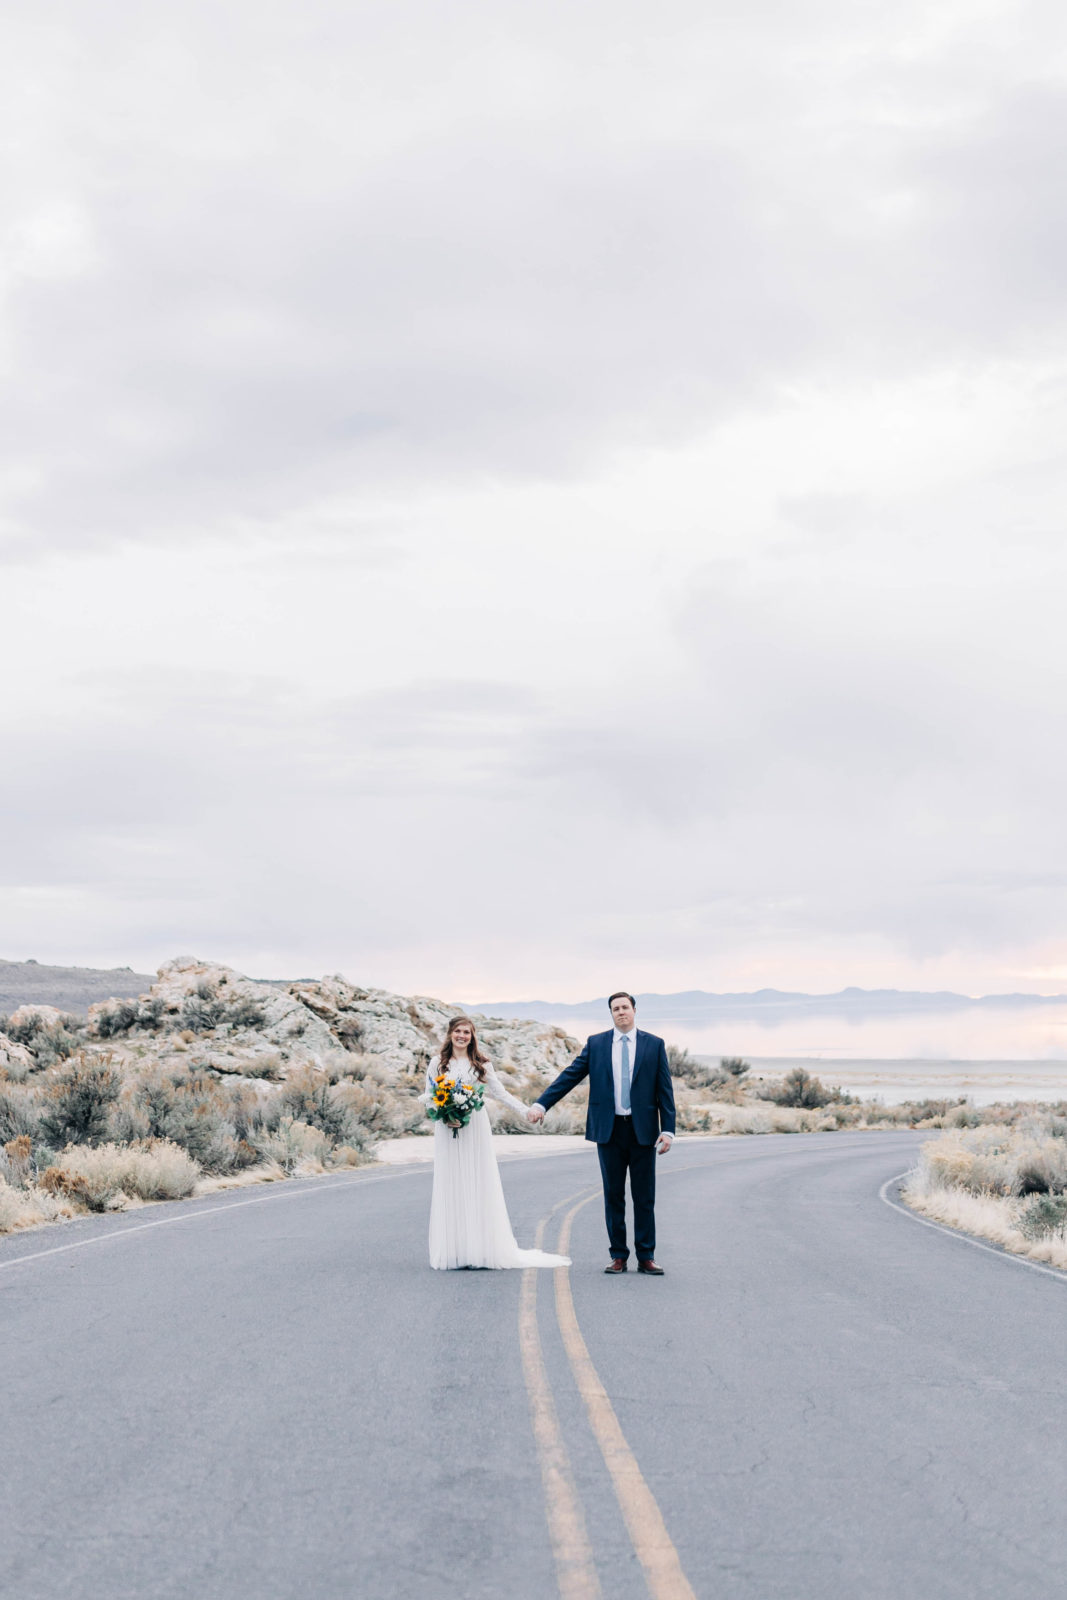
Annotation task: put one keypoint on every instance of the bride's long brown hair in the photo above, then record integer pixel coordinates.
(474, 1050)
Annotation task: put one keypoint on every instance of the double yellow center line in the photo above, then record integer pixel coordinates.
(575, 1566)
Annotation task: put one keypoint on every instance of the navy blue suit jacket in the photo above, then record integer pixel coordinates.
(651, 1091)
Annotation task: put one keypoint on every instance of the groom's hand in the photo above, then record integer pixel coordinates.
(536, 1114)
(663, 1144)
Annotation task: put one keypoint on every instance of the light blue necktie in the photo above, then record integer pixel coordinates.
(624, 1088)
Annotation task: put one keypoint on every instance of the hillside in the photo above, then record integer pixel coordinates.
(71, 989)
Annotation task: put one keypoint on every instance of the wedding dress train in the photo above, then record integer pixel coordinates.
(469, 1223)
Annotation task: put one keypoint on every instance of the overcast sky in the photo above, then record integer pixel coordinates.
(522, 498)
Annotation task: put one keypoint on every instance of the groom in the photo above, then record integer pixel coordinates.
(631, 1120)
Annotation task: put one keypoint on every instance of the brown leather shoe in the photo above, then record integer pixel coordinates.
(616, 1266)
(651, 1268)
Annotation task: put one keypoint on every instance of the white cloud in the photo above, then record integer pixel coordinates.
(461, 468)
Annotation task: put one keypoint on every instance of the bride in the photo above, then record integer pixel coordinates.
(469, 1224)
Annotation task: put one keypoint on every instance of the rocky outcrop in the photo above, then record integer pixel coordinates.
(238, 1025)
(15, 1059)
(406, 1032)
(35, 1017)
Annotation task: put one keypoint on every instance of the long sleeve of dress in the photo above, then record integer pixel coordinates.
(496, 1089)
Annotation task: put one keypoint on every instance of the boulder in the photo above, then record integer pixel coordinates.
(15, 1058)
(282, 1022)
(46, 1016)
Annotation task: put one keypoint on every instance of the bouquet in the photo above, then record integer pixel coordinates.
(454, 1104)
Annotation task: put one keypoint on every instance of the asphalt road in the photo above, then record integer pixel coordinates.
(272, 1396)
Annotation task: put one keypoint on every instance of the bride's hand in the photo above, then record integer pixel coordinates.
(535, 1115)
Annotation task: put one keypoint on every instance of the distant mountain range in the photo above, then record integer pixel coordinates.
(698, 1005)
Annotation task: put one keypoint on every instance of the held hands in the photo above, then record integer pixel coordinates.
(535, 1114)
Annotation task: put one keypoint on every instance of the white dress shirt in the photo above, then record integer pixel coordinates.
(616, 1070)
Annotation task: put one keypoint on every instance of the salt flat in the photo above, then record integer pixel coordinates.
(983, 1082)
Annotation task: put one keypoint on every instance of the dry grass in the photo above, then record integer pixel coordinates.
(1028, 1159)
(999, 1183)
(987, 1216)
(28, 1208)
(296, 1147)
(107, 1177)
(761, 1116)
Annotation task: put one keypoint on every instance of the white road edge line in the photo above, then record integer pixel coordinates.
(965, 1238)
(213, 1211)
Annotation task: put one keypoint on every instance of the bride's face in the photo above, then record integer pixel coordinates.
(461, 1038)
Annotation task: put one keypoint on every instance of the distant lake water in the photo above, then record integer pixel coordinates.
(989, 1054)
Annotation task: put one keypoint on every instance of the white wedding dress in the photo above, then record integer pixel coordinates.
(469, 1223)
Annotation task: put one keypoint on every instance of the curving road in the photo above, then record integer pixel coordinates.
(268, 1396)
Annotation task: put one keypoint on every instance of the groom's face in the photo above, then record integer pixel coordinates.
(622, 1012)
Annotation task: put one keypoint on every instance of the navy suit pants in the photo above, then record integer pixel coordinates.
(622, 1153)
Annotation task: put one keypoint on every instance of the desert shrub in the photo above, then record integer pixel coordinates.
(347, 1155)
(47, 1042)
(16, 1163)
(200, 1013)
(21, 1032)
(745, 1119)
(309, 1097)
(14, 1068)
(118, 1017)
(11, 1207)
(201, 1128)
(1041, 1166)
(373, 1110)
(351, 1034)
(121, 1016)
(798, 1088)
(679, 1060)
(294, 1144)
(734, 1066)
(1044, 1214)
(686, 1069)
(931, 1113)
(128, 1121)
(696, 1119)
(151, 1013)
(98, 1177)
(565, 1117)
(19, 1112)
(996, 1160)
(77, 1190)
(247, 1013)
(250, 1113)
(23, 1208)
(190, 1110)
(842, 1114)
(79, 1101)
(344, 1064)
